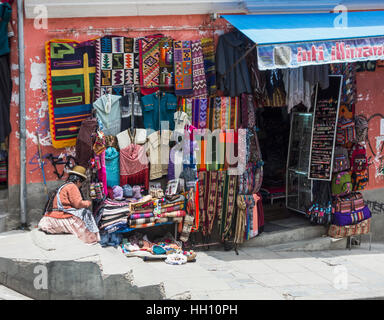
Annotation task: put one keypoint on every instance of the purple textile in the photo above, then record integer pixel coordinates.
(345, 219)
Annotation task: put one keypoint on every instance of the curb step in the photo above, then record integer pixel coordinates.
(288, 235)
(77, 271)
(316, 244)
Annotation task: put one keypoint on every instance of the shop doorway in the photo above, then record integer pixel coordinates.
(274, 132)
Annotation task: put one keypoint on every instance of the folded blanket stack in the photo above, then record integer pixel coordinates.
(114, 215)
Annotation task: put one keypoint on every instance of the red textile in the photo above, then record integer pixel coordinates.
(134, 169)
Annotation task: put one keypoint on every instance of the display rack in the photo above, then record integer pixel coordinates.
(298, 187)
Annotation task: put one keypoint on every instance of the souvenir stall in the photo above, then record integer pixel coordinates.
(153, 123)
(169, 132)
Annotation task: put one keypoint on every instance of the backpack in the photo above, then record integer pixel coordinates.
(361, 128)
(345, 131)
(341, 184)
(359, 160)
(360, 180)
(341, 160)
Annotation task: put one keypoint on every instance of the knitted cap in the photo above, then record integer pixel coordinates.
(136, 192)
(117, 192)
(127, 191)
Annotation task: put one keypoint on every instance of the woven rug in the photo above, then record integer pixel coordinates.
(117, 66)
(182, 57)
(149, 50)
(71, 68)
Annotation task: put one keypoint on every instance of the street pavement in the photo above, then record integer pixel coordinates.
(262, 274)
(265, 274)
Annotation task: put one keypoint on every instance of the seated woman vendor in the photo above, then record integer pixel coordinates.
(67, 212)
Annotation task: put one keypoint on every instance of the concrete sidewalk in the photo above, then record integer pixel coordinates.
(79, 271)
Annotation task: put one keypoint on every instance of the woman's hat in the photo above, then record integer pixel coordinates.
(79, 170)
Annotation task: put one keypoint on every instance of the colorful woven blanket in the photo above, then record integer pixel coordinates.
(71, 67)
(182, 57)
(149, 49)
(117, 67)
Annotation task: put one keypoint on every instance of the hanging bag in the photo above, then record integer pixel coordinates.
(341, 184)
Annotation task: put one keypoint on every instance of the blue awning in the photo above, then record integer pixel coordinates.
(294, 40)
(284, 28)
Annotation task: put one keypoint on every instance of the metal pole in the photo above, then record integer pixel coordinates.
(22, 127)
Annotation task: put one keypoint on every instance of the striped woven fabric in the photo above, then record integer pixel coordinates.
(344, 219)
(338, 232)
(71, 67)
(141, 215)
(172, 214)
(133, 222)
(3, 171)
(352, 202)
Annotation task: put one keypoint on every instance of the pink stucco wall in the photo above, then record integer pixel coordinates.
(369, 85)
(35, 75)
(370, 100)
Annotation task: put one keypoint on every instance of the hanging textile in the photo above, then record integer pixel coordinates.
(5, 18)
(297, 89)
(134, 166)
(117, 65)
(186, 106)
(84, 142)
(240, 220)
(166, 65)
(229, 198)
(258, 81)
(348, 91)
(208, 46)
(70, 79)
(232, 81)
(182, 57)
(149, 65)
(213, 183)
(199, 80)
(131, 112)
(3, 166)
(274, 89)
(5, 97)
(203, 185)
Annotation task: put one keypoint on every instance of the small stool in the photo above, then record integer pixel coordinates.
(359, 237)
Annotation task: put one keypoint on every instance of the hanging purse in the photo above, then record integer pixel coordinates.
(99, 146)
